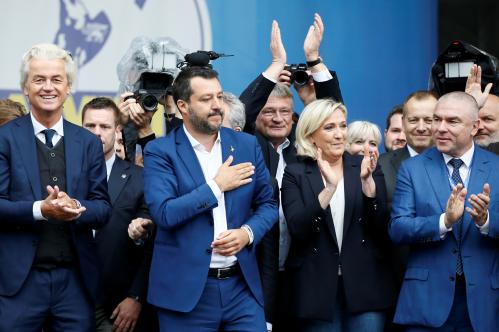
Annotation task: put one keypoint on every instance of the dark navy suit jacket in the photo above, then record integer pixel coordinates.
(125, 264)
(20, 187)
(181, 203)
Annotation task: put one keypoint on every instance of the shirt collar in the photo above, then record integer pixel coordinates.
(283, 145)
(38, 127)
(466, 157)
(412, 152)
(194, 142)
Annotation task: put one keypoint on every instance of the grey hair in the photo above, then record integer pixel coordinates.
(282, 91)
(361, 130)
(237, 111)
(48, 52)
(311, 119)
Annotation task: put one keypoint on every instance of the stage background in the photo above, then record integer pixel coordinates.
(381, 50)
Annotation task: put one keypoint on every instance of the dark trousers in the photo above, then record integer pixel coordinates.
(225, 305)
(54, 300)
(459, 318)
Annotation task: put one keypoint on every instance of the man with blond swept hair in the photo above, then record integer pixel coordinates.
(53, 192)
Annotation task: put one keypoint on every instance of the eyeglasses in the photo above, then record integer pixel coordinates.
(273, 113)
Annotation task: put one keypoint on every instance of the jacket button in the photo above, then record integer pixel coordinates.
(319, 218)
(315, 250)
(317, 229)
(363, 241)
(209, 250)
(452, 278)
(359, 220)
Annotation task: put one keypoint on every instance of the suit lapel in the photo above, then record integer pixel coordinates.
(399, 156)
(26, 147)
(74, 157)
(118, 178)
(314, 177)
(480, 170)
(188, 156)
(229, 148)
(438, 176)
(351, 175)
(270, 156)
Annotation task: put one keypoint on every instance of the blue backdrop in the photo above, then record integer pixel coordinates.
(381, 50)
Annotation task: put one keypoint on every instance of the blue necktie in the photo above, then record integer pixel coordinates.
(49, 134)
(456, 178)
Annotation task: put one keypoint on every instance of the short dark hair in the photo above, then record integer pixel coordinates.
(418, 95)
(99, 103)
(182, 86)
(396, 110)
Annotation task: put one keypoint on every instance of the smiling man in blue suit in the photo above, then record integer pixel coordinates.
(53, 192)
(208, 192)
(446, 207)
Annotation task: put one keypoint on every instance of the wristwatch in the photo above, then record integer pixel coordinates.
(314, 62)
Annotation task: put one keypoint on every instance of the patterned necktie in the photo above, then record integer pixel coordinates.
(456, 178)
(49, 134)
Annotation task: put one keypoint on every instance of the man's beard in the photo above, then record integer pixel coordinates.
(484, 142)
(202, 125)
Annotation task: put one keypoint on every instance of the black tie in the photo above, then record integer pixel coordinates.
(456, 178)
(49, 134)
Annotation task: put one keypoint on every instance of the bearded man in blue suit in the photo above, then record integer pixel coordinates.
(446, 206)
(53, 192)
(208, 192)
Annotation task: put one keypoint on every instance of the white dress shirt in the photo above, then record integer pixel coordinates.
(412, 152)
(284, 237)
(210, 162)
(38, 129)
(337, 207)
(109, 165)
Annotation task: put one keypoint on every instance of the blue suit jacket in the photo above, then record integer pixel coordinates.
(20, 187)
(420, 198)
(180, 203)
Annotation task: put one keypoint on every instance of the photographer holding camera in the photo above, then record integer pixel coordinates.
(146, 72)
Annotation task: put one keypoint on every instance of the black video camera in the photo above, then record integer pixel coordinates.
(299, 73)
(150, 87)
(450, 70)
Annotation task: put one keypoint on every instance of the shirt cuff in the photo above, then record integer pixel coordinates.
(37, 211)
(269, 78)
(249, 231)
(322, 76)
(441, 225)
(215, 189)
(269, 326)
(484, 229)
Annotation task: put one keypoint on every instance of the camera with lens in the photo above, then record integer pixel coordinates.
(299, 73)
(150, 88)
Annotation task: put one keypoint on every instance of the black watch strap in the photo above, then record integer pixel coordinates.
(315, 62)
